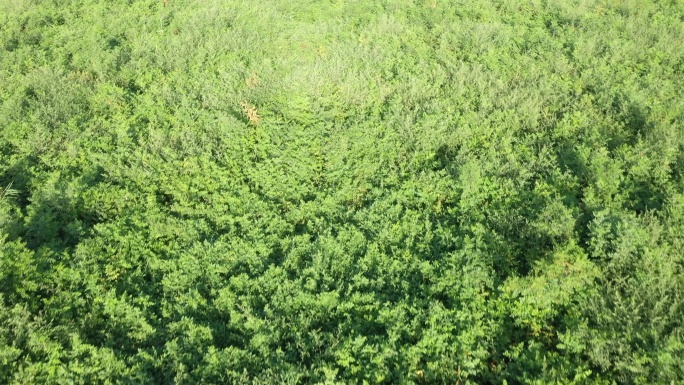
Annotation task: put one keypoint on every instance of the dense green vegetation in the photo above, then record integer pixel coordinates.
(329, 191)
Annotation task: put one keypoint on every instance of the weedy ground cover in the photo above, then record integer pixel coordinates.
(296, 191)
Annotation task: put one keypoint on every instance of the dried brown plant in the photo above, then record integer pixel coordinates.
(252, 81)
(251, 113)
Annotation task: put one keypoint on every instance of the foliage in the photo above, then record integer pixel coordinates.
(336, 192)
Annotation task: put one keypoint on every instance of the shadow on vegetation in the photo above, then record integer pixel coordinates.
(633, 119)
(52, 216)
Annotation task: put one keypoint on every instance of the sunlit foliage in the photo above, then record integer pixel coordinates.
(341, 192)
